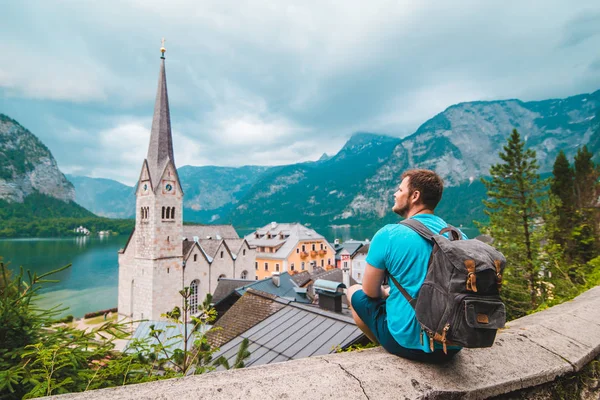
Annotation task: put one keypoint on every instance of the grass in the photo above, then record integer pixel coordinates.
(100, 319)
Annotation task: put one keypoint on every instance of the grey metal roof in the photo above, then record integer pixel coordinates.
(296, 331)
(167, 337)
(285, 289)
(328, 286)
(204, 231)
(160, 150)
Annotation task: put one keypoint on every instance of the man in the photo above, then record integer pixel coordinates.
(384, 315)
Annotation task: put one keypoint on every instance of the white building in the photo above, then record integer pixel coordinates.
(162, 255)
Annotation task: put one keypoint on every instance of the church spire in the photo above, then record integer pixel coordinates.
(160, 149)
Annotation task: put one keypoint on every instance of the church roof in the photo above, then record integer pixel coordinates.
(234, 245)
(160, 150)
(210, 247)
(187, 245)
(205, 231)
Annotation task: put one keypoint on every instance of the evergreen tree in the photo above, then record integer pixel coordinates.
(514, 193)
(587, 191)
(562, 187)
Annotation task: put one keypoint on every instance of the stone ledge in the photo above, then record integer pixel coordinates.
(531, 351)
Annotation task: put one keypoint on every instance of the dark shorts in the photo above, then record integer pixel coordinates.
(373, 313)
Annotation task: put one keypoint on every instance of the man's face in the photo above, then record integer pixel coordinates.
(402, 201)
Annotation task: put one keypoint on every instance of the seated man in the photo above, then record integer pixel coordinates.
(384, 315)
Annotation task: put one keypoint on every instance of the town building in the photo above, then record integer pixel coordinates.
(280, 330)
(289, 247)
(346, 254)
(358, 263)
(162, 255)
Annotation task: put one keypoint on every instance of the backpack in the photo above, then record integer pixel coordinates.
(459, 302)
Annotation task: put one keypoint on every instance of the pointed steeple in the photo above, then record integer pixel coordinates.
(160, 150)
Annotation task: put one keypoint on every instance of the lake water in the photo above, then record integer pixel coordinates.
(90, 284)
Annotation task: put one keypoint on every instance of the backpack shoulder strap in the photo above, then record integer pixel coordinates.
(411, 300)
(418, 227)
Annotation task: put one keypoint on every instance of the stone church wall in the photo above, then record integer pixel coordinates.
(222, 265)
(198, 269)
(245, 262)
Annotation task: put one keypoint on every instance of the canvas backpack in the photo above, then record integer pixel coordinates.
(459, 302)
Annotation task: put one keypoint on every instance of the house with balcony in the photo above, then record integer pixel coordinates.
(289, 247)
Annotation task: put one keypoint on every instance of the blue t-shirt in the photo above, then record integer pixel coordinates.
(405, 255)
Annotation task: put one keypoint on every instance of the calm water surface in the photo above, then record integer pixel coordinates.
(90, 284)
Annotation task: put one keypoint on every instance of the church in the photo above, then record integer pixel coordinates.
(162, 256)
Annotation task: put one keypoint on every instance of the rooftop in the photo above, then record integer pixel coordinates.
(292, 331)
(531, 351)
(285, 235)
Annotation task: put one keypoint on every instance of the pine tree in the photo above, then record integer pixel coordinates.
(514, 193)
(562, 187)
(587, 191)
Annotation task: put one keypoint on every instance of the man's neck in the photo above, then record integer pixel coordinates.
(418, 210)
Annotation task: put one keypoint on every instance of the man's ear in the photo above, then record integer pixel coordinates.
(416, 196)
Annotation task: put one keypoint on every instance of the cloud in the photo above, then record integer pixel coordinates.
(268, 82)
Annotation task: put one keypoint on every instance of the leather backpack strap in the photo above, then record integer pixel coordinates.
(412, 301)
(455, 234)
(419, 227)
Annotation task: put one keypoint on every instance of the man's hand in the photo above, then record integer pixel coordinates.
(372, 282)
(385, 292)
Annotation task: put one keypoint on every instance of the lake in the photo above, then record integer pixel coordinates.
(90, 284)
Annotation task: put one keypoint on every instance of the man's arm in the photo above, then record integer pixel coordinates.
(372, 281)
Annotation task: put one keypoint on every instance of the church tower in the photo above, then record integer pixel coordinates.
(150, 276)
(159, 198)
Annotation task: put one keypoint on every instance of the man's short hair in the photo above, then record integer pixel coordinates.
(428, 183)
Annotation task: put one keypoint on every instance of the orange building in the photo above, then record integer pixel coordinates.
(289, 248)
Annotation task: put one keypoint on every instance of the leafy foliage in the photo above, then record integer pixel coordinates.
(44, 216)
(550, 241)
(41, 356)
(515, 191)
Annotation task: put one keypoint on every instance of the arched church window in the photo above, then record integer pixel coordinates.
(142, 212)
(195, 257)
(194, 296)
(173, 213)
(244, 275)
(163, 213)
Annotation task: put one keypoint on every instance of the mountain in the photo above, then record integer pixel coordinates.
(210, 192)
(104, 197)
(28, 167)
(315, 192)
(355, 186)
(462, 143)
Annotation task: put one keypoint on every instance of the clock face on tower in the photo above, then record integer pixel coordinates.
(168, 187)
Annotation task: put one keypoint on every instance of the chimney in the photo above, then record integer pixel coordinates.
(330, 294)
(346, 276)
(336, 241)
(276, 280)
(273, 225)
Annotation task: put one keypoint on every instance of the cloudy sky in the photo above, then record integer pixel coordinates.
(274, 82)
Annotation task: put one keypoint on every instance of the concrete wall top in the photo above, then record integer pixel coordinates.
(531, 351)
